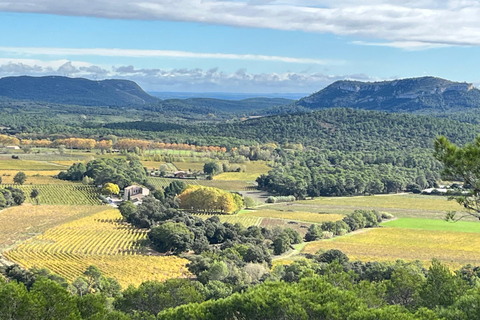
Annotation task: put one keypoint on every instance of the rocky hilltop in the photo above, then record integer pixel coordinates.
(405, 95)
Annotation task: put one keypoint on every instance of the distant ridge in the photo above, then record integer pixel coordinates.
(415, 95)
(77, 91)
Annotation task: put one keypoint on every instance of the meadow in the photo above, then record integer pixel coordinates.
(101, 239)
(253, 170)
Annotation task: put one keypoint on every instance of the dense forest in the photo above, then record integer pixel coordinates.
(322, 286)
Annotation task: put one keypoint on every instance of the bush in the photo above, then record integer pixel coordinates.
(273, 199)
(327, 235)
(386, 215)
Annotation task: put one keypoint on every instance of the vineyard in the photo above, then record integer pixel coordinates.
(302, 216)
(164, 182)
(102, 240)
(22, 222)
(390, 244)
(244, 220)
(67, 194)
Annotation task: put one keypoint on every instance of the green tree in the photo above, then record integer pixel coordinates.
(170, 236)
(461, 163)
(442, 288)
(211, 168)
(34, 194)
(248, 202)
(127, 209)
(20, 178)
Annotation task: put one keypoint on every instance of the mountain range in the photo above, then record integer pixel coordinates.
(416, 95)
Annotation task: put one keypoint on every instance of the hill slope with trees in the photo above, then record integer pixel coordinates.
(416, 95)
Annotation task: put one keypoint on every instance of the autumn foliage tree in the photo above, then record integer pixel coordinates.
(208, 199)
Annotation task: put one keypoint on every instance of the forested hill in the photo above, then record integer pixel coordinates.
(416, 95)
(335, 129)
(76, 91)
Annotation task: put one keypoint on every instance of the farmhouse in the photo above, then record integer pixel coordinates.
(135, 192)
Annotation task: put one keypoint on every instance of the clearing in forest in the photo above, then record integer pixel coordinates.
(103, 240)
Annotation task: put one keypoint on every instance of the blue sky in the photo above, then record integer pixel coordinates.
(256, 46)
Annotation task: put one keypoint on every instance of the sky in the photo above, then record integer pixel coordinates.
(249, 46)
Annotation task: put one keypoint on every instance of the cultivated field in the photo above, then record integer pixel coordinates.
(164, 182)
(101, 239)
(23, 165)
(439, 239)
(23, 222)
(293, 215)
(33, 177)
(66, 194)
(245, 220)
(400, 205)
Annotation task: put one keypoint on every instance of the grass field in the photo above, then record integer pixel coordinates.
(101, 239)
(23, 222)
(293, 215)
(66, 194)
(432, 224)
(254, 170)
(29, 165)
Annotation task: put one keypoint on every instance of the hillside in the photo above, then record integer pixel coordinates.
(77, 91)
(416, 95)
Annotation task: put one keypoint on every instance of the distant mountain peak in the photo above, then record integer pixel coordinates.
(77, 91)
(403, 95)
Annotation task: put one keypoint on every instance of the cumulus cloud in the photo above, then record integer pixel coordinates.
(183, 79)
(422, 22)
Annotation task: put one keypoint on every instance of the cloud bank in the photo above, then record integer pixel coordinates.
(423, 23)
(194, 80)
(142, 53)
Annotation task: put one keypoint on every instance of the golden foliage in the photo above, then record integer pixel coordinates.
(208, 199)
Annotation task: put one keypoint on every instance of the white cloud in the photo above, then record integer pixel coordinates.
(139, 53)
(196, 80)
(444, 22)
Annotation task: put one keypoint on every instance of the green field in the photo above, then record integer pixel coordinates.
(432, 224)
